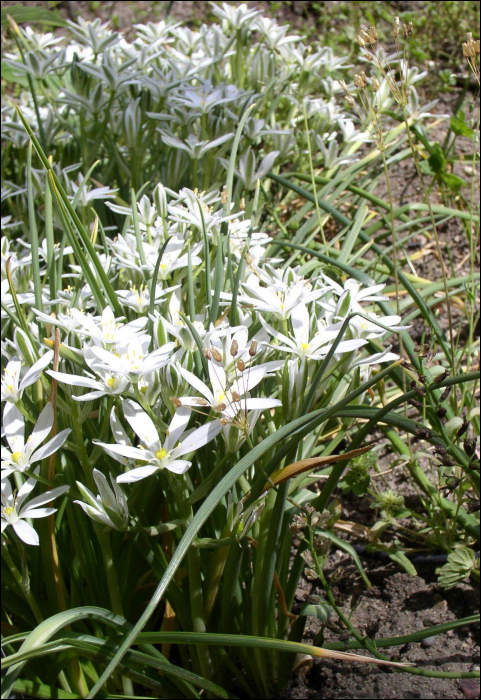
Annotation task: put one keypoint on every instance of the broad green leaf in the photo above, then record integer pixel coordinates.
(22, 13)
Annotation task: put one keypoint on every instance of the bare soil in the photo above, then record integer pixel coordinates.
(398, 604)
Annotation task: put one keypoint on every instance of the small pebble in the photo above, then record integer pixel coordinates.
(428, 642)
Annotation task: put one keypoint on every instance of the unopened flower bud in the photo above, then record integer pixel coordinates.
(241, 365)
(207, 353)
(360, 80)
(224, 195)
(216, 354)
(253, 348)
(363, 38)
(220, 407)
(373, 35)
(177, 403)
(469, 446)
(201, 402)
(397, 24)
(375, 84)
(243, 204)
(234, 348)
(368, 57)
(235, 396)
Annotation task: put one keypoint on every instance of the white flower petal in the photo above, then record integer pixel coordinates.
(38, 512)
(136, 474)
(36, 369)
(44, 498)
(198, 438)
(141, 423)
(177, 426)
(178, 466)
(41, 431)
(14, 426)
(26, 532)
(133, 453)
(75, 380)
(52, 446)
(259, 404)
(196, 383)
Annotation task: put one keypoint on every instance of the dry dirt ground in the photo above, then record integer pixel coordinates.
(398, 603)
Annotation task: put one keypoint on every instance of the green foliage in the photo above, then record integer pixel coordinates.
(357, 478)
(182, 165)
(460, 564)
(31, 15)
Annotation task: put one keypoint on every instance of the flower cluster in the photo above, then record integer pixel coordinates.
(169, 102)
(204, 339)
(188, 363)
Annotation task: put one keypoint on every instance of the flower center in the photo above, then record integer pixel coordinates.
(304, 346)
(161, 454)
(17, 456)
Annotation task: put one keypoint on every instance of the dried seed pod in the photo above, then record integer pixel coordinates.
(440, 450)
(201, 402)
(221, 407)
(463, 428)
(177, 402)
(416, 388)
(441, 377)
(375, 84)
(445, 394)
(473, 505)
(441, 412)
(234, 348)
(447, 461)
(207, 353)
(241, 365)
(235, 396)
(253, 348)
(469, 445)
(416, 404)
(422, 433)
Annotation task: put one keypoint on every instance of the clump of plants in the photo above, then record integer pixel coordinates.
(197, 351)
